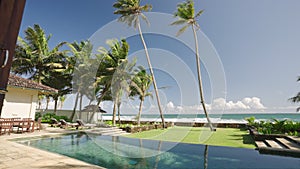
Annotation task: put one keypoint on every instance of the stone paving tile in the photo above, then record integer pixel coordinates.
(17, 156)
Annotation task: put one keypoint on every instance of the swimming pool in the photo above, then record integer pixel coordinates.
(121, 152)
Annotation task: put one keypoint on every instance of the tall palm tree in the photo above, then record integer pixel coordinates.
(112, 71)
(296, 99)
(83, 71)
(131, 11)
(186, 14)
(140, 85)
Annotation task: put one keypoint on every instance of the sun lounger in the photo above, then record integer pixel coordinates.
(82, 124)
(55, 123)
(65, 124)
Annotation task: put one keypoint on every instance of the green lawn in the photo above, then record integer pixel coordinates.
(231, 137)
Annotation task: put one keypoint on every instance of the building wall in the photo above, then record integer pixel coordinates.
(20, 103)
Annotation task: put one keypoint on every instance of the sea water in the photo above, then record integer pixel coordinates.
(234, 117)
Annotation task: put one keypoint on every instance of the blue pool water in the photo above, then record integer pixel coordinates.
(120, 152)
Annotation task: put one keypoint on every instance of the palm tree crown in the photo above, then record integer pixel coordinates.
(34, 57)
(186, 13)
(130, 10)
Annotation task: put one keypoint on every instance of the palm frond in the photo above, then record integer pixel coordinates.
(296, 98)
(182, 30)
(145, 19)
(199, 13)
(179, 22)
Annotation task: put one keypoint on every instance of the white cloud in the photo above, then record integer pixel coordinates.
(170, 105)
(245, 104)
(179, 108)
(253, 103)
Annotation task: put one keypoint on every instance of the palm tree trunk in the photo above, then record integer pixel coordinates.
(158, 155)
(80, 106)
(206, 157)
(47, 102)
(119, 118)
(140, 112)
(55, 105)
(75, 106)
(152, 74)
(99, 101)
(200, 80)
(114, 114)
(40, 105)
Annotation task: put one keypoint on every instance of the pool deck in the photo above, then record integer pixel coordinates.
(280, 145)
(17, 156)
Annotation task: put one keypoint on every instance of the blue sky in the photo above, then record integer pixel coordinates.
(257, 43)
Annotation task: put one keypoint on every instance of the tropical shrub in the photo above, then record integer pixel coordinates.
(46, 118)
(275, 126)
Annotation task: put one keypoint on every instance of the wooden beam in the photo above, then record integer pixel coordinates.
(11, 12)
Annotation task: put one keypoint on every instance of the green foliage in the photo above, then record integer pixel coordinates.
(37, 115)
(296, 99)
(34, 58)
(109, 122)
(130, 10)
(186, 15)
(46, 118)
(275, 126)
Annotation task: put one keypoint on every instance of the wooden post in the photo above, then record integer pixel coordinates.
(11, 12)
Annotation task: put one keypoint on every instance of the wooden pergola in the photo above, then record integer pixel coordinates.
(11, 12)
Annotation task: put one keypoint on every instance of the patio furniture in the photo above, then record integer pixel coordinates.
(6, 125)
(65, 124)
(55, 123)
(38, 125)
(27, 124)
(82, 124)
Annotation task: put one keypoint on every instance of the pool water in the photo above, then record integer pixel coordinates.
(121, 152)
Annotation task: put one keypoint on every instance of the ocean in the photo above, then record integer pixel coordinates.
(218, 117)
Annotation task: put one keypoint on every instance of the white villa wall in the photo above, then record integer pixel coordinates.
(20, 102)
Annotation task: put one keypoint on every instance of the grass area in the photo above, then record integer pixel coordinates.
(231, 137)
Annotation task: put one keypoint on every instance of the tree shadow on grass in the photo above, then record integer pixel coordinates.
(247, 139)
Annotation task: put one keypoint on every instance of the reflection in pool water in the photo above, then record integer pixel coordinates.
(122, 152)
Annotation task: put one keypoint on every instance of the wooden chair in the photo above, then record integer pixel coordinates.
(25, 124)
(6, 125)
(38, 124)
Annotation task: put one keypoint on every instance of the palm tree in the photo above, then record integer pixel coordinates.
(186, 14)
(60, 81)
(140, 86)
(111, 72)
(296, 99)
(33, 57)
(121, 82)
(83, 71)
(131, 11)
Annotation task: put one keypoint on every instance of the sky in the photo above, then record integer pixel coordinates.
(250, 49)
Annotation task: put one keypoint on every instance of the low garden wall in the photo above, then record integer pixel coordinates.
(136, 129)
(261, 137)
